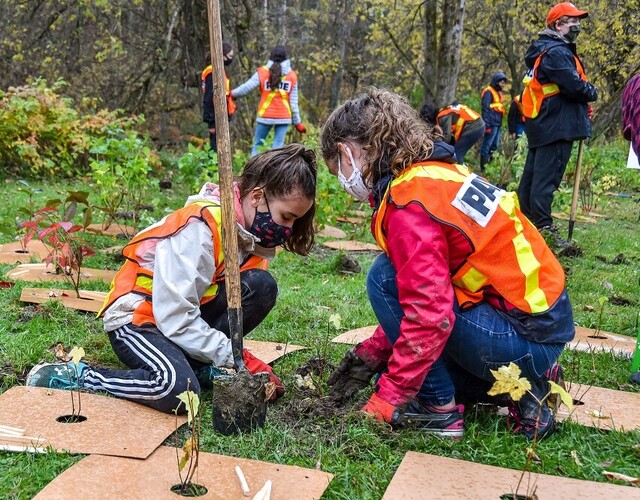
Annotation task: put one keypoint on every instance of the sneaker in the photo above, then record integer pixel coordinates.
(57, 375)
(553, 238)
(207, 374)
(531, 419)
(446, 423)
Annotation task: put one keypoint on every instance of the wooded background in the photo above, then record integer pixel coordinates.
(146, 56)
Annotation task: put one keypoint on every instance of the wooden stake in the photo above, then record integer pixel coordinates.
(243, 481)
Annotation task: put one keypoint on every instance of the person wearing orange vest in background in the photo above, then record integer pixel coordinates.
(208, 112)
(461, 126)
(557, 112)
(492, 113)
(166, 312)
(278, 107)
(515, 118)
(454, 296)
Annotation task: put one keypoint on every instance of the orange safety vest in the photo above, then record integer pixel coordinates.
(231, 105)
(496, 103)
(509, 254)
(274, 103)
(132, 278)
(518, 100)
(464, 114)
(535, 92)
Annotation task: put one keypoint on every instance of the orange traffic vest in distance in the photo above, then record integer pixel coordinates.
(231, 105)
(518, 100)
(496, 103)
(274, 103)
(535, 93)
(508, 253)
(464, 114)
(132, 278)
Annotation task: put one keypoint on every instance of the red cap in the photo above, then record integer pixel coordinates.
(564, 9)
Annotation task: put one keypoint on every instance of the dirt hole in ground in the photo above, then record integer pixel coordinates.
(71, 419)
(191, 490)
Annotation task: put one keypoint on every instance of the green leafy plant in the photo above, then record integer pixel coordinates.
(120, 165)
(76, 354)
(191, 447)
(53, 226)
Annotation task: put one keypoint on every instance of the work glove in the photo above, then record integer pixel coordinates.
(589, 111)
(254, 365)
(301, 128)
(487, 130)
(351, 375)
(379, 409)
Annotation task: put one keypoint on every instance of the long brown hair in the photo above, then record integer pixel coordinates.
(281, 172)
(390, 132)
(278, 54)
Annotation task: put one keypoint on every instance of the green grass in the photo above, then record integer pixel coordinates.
(362, 455)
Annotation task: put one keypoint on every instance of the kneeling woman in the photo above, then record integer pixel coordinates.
(466, 283)
(166, 313)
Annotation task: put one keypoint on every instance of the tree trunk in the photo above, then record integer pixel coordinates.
(449, 51)
(343, 31)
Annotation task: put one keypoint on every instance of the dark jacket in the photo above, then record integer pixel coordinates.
(514, 117)
(208, 112)
(562, 117)
(491, 117)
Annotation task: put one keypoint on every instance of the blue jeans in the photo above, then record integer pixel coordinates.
(261, 133)
(481, 340)
(491, 142)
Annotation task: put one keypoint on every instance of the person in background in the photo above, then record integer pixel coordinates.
(465, 284)
(515, 118)
(278, 106)
(166, 312)
(208, 111)
(555, 103)
(631, 113)
(461, 126)
(492, 114)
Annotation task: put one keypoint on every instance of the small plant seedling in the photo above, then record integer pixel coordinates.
(191, 447)
(76, 355)
(508, 381)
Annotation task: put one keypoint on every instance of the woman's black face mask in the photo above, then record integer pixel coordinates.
(271, 233)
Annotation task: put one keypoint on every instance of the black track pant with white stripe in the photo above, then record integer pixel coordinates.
(159, 370)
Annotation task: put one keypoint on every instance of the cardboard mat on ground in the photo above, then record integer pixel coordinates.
(586, 339)
(12, 253)
(88, 301)
(602, 408)
(98, 476)
(112, 426)
(113, 230)
(352, 246)
(43, 272)
(428, 476)
(331, 232)
(270, 351)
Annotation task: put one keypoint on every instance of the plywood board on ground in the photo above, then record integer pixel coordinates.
(590, 340)
(579, 218)
(43, 272)
(113, 230)
(331, 232)
(115, 477)
(354, 336)
(88, 301)
(428, 476)
(352, 246)
(113, 426)
(602, 408)
(12, 253)
(270, 351)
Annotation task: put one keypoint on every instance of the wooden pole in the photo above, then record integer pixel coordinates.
(576, 190)
(229, 232)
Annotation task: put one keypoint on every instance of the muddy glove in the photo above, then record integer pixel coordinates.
(351, 375)
(381, 410)
(254, 365)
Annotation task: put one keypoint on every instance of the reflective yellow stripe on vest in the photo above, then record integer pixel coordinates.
(459, 125)
(270, 97)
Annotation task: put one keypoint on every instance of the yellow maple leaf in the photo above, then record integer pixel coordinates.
(191, 402)
(508, 381)
(335, 320)
(190, 448)
(76, 355)
(562, 392)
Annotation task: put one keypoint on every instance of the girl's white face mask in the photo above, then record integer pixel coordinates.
(355, 185)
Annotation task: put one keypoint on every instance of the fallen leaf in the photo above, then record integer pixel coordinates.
(270, 388)
(621, 477)
(508, 381)
(574, 455)
(589, 308)
(60, 353)
(335, 319)
(596, 414)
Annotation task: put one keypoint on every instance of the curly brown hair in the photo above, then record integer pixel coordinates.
(390, 132)
(281, 172)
